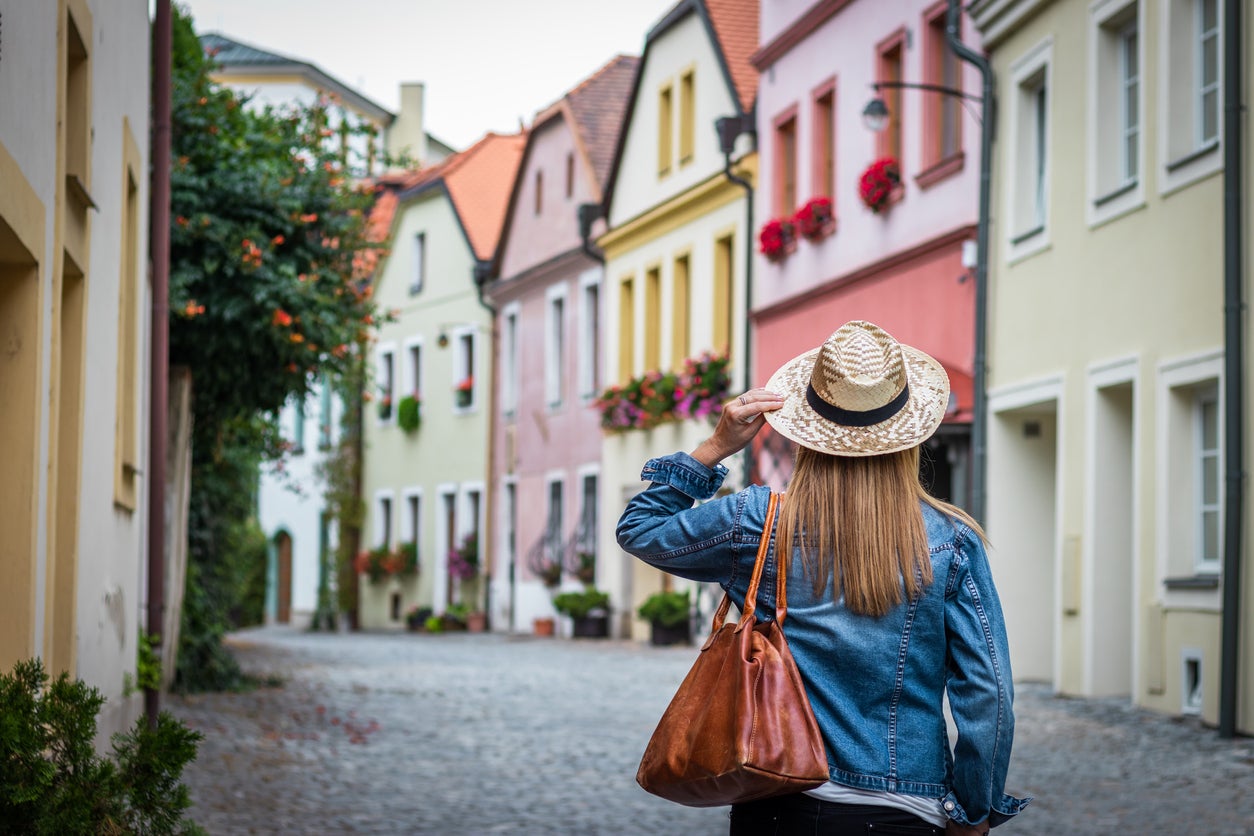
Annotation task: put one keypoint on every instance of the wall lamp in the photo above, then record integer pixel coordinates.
(875, 114)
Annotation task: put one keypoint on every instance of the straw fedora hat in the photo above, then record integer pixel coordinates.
(859, 394)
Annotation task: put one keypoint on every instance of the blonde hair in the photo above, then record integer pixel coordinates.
(857, 521)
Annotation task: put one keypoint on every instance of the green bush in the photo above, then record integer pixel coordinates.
(579, 604)
(53, 782)
(409, 413)
(669, 609)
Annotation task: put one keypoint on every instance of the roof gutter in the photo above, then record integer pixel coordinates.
(590, 213)
(1234, 372)
(481, 273)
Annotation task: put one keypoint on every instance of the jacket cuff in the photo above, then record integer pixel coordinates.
(685, 474)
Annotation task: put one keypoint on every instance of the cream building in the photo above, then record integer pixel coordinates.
(1106, 348)
(676, 252)
(74, 302)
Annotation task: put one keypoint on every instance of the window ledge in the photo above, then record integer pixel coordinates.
(1192, 582)
(1028, 235)
(941, 169)
(1114, 194)
(77, 189)
(1181, 162)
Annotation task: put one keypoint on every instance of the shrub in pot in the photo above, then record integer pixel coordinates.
(589, 611)
(668, 614)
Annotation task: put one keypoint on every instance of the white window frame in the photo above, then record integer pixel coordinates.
(385, 373)
(461, 369)
(1113, 191)
(413, 374)
(1180, 381)
(1201, 398)
(556, 344)
(1030, 73)
(1184, 156)
(413, 524)
(384, 523)
(510, 318)
(591, 329)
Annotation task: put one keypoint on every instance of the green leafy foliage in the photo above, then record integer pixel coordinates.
(52, 781)
(409, 413)
(579, 604)
(268, 234)
(669, 609)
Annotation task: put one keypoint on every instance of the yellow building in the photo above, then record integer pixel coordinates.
(73, 255)
(1107, 349)
(676, 252)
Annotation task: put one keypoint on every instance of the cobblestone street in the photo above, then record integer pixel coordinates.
(470, 734)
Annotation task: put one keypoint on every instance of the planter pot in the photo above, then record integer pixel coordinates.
(591, 626)
(477, 622)
(543, 626)
(662, 635)
(462, 398)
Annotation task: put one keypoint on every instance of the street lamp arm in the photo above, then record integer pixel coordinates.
(935, 88)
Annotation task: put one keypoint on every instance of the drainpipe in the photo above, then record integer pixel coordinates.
(979, 416)
(159, 360)
(729, 130)
(481, 273)
(1234, 372)
(589, 213)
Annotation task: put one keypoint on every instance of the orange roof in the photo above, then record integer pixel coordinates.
(479, 181)
(736, 25)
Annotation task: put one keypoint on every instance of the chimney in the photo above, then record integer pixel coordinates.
(408, 134)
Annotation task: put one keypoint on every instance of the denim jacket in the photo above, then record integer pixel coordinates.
(876, 684)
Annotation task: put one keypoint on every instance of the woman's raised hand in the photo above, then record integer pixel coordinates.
(739, 423)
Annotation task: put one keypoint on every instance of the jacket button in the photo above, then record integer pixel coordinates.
(949, 805)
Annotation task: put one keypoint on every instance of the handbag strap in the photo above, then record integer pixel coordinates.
(751, 597)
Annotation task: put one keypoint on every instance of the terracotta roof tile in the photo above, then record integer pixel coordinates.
(599, 107)
(736, 25)
(479, 180)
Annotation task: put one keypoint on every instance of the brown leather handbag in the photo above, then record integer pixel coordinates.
(740, 726)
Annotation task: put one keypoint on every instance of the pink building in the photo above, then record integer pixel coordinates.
(546, 286)
(890, 245)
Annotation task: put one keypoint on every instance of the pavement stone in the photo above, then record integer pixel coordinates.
(485, 734)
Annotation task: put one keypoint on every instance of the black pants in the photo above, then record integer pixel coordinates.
(795, 815)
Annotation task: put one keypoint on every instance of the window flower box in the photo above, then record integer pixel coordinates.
(777, 238)
(880, 184)
(815, 221)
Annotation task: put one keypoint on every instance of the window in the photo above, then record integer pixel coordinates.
(687, 116)
(587, 539)
(823, 145)
(77, 108)
(553, 520)
(722, 307)
(786, 162)
(652, 318)
(509, 359)
(1028, 184)
(1207, 474)
(383, 522)
(555, 345)
(386, 385)
(626, 329)
(1115, 102)
(590, 350)
(665, 128)
(464, 387)
(298, 426)
(126, 448)
(570, 174)
(413, 517)
(888, 142)
(420, 264)
(325, 415)
(413, 357)
(680, 305)
(539, 188)
(941, 113)
(1191, 82)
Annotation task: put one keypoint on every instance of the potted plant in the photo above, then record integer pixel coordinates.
(668, 616)
(407, 558)
(385, 406)
(416, 617)
(879, 183)
(455, 617)
(586, 567)
(463, 561)
(377, 563)
(777, 238)
(464, 391)
(409, 413)
(589, 612)
(815, 220)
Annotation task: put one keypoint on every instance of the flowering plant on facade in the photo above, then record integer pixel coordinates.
(463, 560)
(654, 398)
(378, 563)
(463, 390)
(409, 413)
(815, 220)
(878, 182)
(775, 238)
(385, 406)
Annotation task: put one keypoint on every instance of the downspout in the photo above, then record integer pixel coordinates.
(1234, 372)
(729, 130)
(481, 273)
(159, 359)
(988, 122)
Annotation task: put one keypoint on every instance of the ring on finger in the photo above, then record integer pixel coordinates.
(742, 400)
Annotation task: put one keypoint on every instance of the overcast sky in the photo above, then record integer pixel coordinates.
(486, 63)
